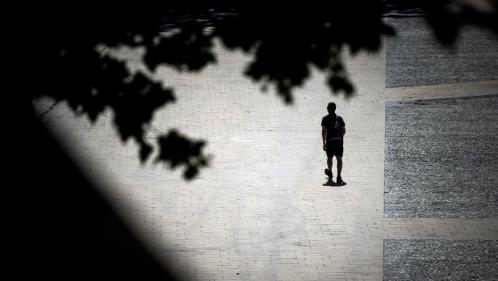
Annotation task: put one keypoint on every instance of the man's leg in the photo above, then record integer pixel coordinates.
(338, 154)
(339, 166)
(328, 171)
(339, 170)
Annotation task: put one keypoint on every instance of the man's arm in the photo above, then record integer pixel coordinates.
(343, 131)
(324, 136)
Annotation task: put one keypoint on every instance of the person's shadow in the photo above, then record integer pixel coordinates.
(332, 183)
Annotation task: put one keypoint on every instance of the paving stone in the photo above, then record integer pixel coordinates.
(261, 208)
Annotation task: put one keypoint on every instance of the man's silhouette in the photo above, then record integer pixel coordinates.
(333, 131)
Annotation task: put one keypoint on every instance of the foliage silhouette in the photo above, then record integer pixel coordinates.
(285, 42)
(65, 55)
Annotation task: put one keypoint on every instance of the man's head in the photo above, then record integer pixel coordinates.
(331, 107)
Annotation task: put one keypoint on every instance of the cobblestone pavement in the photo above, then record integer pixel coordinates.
(261, 211)
(440, 260)
(416, 58)
(441, 158)
(427, 175)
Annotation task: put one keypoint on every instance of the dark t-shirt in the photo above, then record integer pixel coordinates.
(333, 124)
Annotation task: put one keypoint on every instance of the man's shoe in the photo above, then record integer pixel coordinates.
(340, 181)
(328, 173)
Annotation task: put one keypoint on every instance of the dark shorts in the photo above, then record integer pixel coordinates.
(334, 148)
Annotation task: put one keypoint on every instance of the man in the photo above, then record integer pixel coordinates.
(333, 131)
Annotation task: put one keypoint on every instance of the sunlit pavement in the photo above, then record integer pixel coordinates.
(261, 210)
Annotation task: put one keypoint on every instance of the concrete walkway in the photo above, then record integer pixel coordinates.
(261, 211)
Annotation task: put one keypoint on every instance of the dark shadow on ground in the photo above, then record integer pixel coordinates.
(60, 225)
(332, 183)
